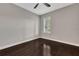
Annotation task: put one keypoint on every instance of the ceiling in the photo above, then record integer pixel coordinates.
(42, 9)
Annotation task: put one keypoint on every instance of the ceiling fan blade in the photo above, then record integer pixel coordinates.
(46, 4)
(36, 5)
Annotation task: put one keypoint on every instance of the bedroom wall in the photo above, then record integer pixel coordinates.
(65, 25)
(16, 25)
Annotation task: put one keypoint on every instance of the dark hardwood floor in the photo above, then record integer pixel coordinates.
(61, 49)
(35, 48)
(25, 49)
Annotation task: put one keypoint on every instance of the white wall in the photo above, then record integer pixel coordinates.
(16, 25)
(65, 25)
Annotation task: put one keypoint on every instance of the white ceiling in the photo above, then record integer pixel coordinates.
(42, 9)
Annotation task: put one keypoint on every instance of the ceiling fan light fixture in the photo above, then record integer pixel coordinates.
(46, 4)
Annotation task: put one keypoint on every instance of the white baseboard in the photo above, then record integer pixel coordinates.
(16, 43)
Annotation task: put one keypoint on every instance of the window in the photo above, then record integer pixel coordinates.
(47, 24)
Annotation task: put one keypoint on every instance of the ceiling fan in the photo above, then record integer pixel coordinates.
(46, 4)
